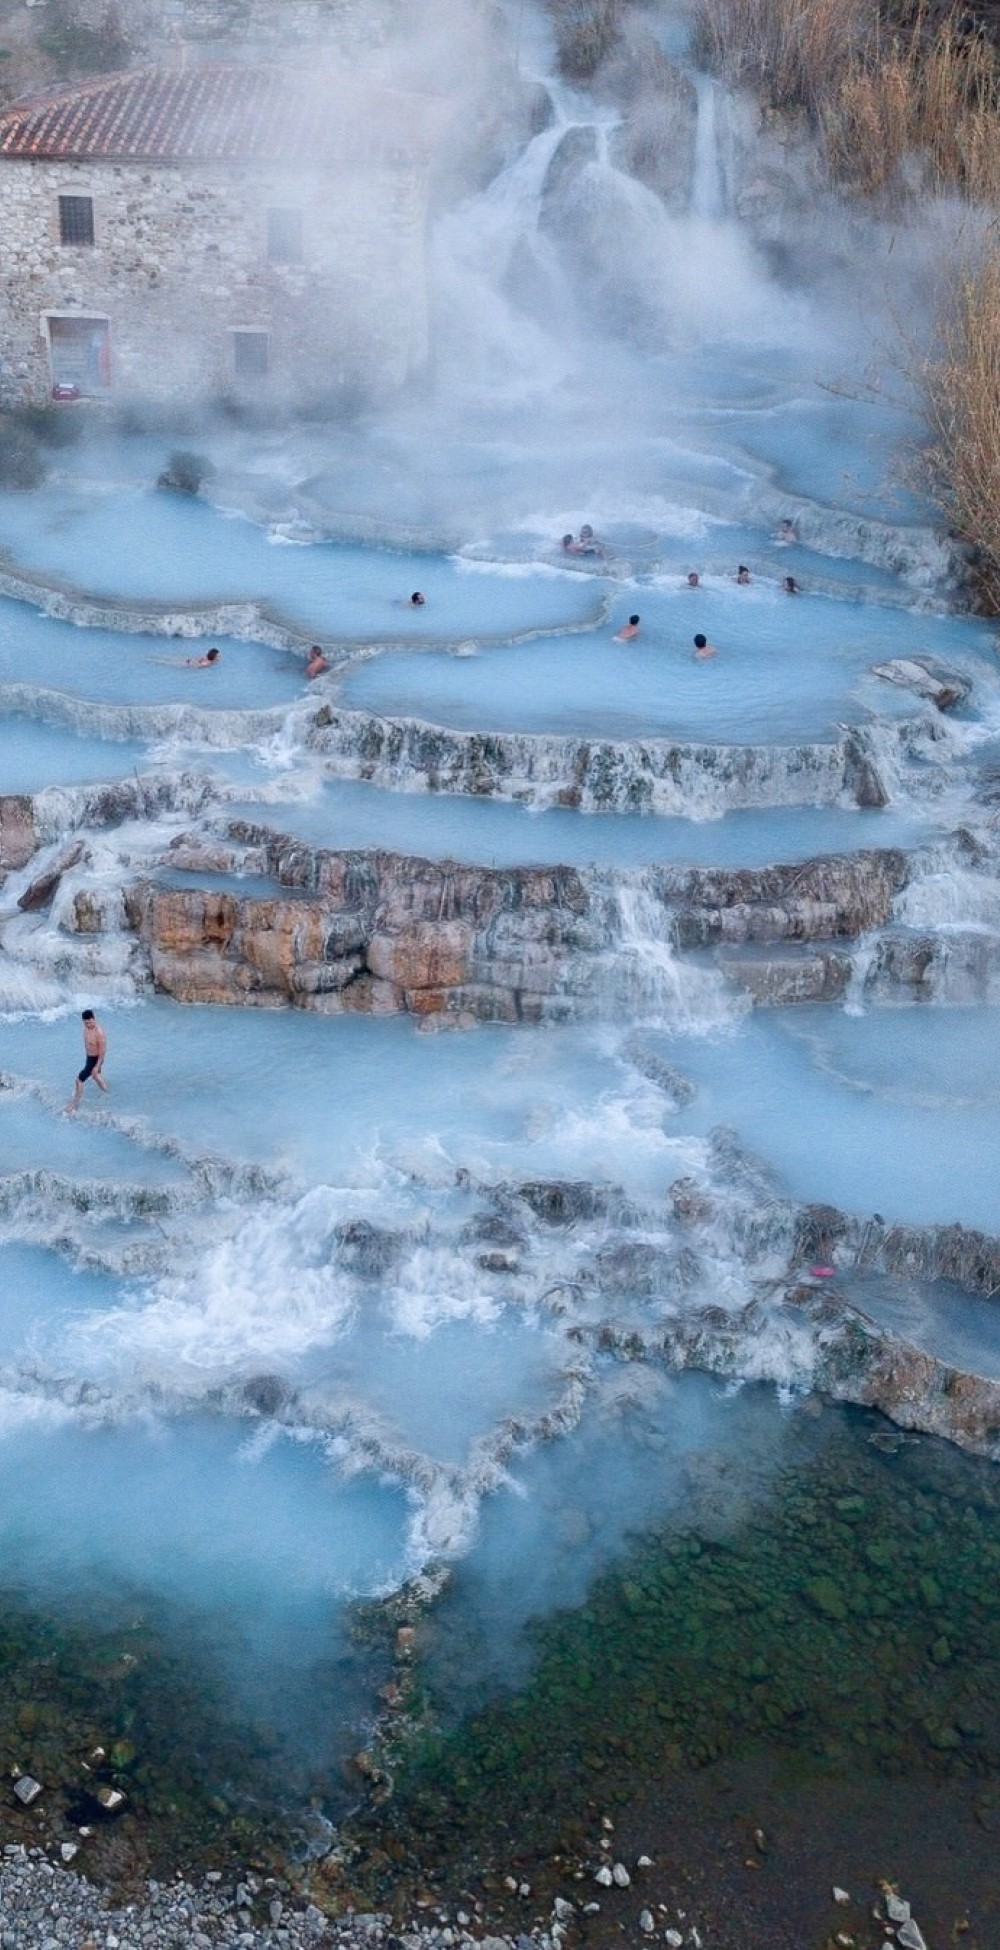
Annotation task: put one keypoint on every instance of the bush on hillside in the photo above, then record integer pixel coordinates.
(79, 47)
(586, 32)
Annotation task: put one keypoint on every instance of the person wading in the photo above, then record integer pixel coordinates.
(95, 1049)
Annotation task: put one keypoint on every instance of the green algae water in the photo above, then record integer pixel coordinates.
(836, 1608)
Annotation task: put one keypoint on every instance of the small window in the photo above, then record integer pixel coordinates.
(284, 236)
(250, 355)
(76, 219)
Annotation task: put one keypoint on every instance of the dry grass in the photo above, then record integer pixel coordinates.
(789, 52)
(932, 99)
(919, 100)
(962, 395)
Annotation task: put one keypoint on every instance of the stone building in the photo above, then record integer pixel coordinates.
(187, 232)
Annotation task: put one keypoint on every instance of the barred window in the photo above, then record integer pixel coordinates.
(284, 236)
(250, 355)
(76, 219)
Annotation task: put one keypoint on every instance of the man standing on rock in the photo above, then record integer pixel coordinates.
(95, 1049)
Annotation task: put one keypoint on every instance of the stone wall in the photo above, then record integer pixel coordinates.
(180, 263)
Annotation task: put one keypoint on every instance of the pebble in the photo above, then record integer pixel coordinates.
(840, 1895)
(604, 1876)
(674, 1938)
(647, 1921)
(911, 1936)
(621, 1875)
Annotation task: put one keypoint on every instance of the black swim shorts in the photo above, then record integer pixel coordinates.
(88, 1069)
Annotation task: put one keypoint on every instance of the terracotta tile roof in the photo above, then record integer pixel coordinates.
(212, 112)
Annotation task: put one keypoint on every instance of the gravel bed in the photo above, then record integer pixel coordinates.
(47, 1908)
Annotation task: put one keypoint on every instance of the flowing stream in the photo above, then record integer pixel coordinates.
(314, 1306)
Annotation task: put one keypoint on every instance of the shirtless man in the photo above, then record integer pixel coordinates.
(317, 662)
(417, 600)
(628, 631)
(703, 649)
(743, 575)
(693, 579)
(95, 1049)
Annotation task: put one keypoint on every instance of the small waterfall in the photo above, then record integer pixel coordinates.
(644, 968)
(707, 191)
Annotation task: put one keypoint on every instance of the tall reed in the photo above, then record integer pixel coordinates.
(961, 384)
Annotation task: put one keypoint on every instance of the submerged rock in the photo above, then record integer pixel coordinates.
(266, 1394)
(676, 1087)
(368, 1249)
(928, 679)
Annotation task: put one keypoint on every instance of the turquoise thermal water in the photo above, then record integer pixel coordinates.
(33, 755)
(113, 666)
(787, 668)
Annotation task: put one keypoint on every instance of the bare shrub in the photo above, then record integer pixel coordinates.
(185, 472)
(961, 384)
(586, 32)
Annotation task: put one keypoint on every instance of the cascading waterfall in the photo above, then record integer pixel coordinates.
(707, 189)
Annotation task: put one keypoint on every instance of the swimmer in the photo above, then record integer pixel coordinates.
(791, 587)
(588, 543)
(693, 579)
(95, 1049)
(207, 662)
(417, 600)
(786, 531)
(628, 631)
(317, 662)
(569, 547)
(703, 649)
(743, 575)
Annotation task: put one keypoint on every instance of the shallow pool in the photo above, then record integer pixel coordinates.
(493, 832)
(170, 549)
